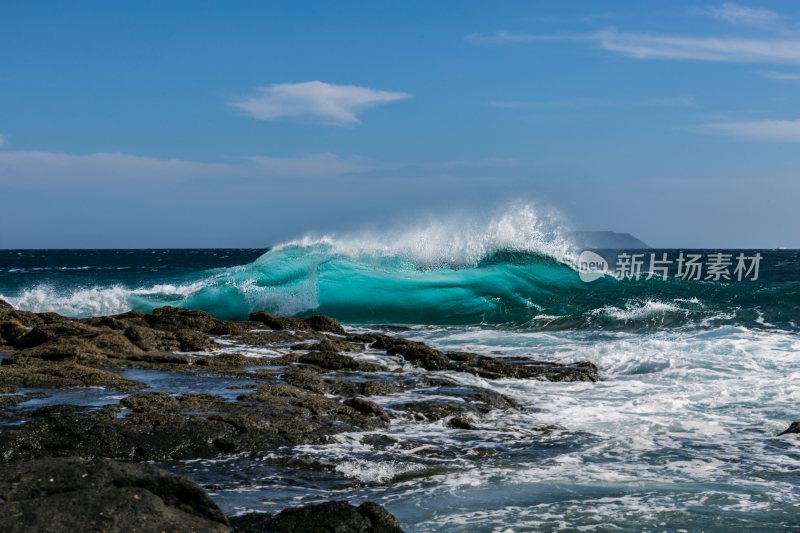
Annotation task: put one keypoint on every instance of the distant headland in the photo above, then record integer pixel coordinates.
(605, 240)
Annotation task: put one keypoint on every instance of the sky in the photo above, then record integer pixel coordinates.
(237, 123)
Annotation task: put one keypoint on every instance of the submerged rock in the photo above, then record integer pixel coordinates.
(73, 494)
(460, 422)
(329, 517)
(794, 427)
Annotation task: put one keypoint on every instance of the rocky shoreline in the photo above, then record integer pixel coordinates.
(84, 463)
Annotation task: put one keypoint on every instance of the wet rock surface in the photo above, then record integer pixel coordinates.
(24, 372)
(73, 494)
(493, 368)
(317, 382)
(163, 426)
(339, 517)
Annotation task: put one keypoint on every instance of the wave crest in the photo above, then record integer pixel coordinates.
(454, 241)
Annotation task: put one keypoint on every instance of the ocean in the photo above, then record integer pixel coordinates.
(699, 377)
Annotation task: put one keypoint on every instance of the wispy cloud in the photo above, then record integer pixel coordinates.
(740, 15)
(723, 49)
(317, 101)
(576, 103)
(677, 101)
(652, 46)
(502, 37)
(581, 103)
(313, 165)
(783, 76)
(19, 165)
(761, 130)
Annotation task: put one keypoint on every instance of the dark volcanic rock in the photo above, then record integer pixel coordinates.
(463, 400)
(148, 339)
(37, 373)
(305, 378)
(494, 368)
(72, 494)
(367, 387)
(122, 337)
(429, 358)
(161, 426)
(329, 517)
(336, 361)
(415, 352)
(280, 322)
(11, 330)
(5, 305)
(324, 323)
(794, 427)
(271, 338)
(44, 333)
(175, 319)
(25, 317)
(75, 340)
(460, 422)
(434, 410)
(330, 345)
(194, 341)
(122, 321)
(11, 400)
(157, 401)
(367, 407)
(231, 364)
(159, 359)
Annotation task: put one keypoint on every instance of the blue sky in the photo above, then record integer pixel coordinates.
(139, 124)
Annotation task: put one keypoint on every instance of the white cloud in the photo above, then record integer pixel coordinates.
(744, 16)
(327, 103)
(784, 76)
(761, 130)
(649, 46)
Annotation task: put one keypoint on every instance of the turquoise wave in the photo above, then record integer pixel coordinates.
(505, 288)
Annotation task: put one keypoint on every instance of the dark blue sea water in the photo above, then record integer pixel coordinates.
(513, 289)
(699, 377)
